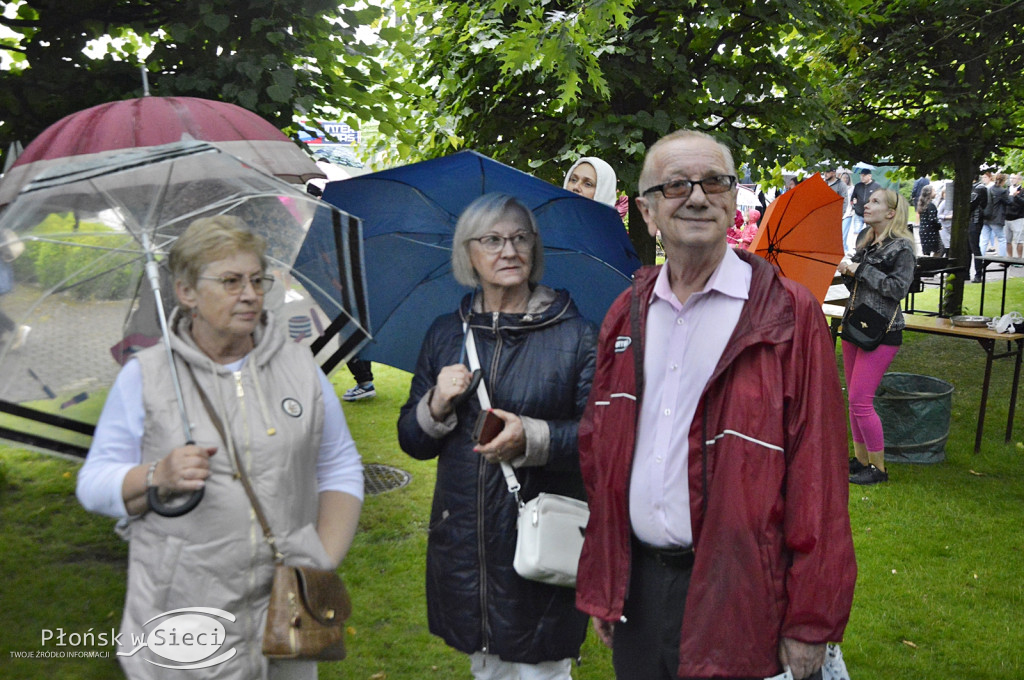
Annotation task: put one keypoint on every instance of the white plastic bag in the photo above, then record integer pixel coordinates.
(834, 667)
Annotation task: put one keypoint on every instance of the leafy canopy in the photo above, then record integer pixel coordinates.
(277, 58)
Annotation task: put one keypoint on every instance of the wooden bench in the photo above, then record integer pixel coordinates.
(985, 337)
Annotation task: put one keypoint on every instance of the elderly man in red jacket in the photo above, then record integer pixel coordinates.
(713, 451)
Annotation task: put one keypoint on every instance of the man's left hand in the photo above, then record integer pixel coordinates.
(802, 658)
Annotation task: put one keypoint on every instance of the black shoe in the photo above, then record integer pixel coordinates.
(976, 279)
(856, 466)
(869, 475)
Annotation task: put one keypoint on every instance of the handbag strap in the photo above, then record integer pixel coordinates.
(509, 472)
(239, 469)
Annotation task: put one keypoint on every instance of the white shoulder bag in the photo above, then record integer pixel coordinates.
(550, 527)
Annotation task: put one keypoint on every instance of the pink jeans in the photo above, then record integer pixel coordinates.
(864, 371)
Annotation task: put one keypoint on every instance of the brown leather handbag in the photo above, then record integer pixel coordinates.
(308, 606)
(306, 619)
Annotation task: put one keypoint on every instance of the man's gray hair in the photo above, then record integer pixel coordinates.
(478, 218)
(646, 175)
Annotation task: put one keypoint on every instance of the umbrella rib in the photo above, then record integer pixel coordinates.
(804, 256)
(72, 244)
(426, 199)
(406, 237)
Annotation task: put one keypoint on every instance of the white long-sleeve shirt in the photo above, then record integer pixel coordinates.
(117, 445)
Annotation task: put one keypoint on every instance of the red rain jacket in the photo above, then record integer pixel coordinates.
(768, 485)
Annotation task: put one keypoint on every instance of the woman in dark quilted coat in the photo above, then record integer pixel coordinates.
(537, 358)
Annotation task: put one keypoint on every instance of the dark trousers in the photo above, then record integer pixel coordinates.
(974, 240)
(362, 371)
(646, 645)
(6, 324)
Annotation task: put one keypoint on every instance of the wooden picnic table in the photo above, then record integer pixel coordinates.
(985, 337)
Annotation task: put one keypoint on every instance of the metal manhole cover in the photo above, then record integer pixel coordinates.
(379, 478)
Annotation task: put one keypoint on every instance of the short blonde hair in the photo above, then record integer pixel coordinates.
(478, 217)
(209, 239)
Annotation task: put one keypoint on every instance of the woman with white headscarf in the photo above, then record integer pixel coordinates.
(591, 177)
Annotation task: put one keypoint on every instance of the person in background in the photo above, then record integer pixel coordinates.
(753, 219)
(928, 218)
(838, 186)
(858, 197)
(742, 235)
(979, 201)
(282, 420)
(537, 357)
(362, 371)
(993, 232)
(919, 184)
(591, 177)
(844, 177)
(10, 248)
(1015, 220)
(945, 213)
(719, 539)
(882, 270)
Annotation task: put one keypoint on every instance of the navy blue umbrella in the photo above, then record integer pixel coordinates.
(409, 215)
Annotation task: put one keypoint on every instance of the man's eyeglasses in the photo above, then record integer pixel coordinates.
(681, 188)
(235, 283)
(492, 243)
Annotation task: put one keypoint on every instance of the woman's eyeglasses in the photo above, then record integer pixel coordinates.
(235, 283)
(681, 188)
(492, 243)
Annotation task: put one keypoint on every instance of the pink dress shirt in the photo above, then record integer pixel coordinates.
(682, 347)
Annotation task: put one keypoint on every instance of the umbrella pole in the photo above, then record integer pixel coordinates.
(153, 274)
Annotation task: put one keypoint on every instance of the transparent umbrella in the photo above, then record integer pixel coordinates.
(80, 283)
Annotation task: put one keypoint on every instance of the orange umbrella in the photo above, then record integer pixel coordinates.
(802, 234)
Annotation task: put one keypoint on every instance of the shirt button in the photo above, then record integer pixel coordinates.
(679, 322)
(668, 411)
(675, 367)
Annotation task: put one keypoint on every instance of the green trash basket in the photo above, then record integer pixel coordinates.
(915, 412)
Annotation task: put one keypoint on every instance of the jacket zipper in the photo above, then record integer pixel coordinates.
(240, 395)
(481, 488)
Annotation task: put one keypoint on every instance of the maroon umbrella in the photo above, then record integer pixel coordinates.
(151, 121)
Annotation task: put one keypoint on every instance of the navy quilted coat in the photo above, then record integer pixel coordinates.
(538, 365)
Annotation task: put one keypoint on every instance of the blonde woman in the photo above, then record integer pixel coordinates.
(882, 269)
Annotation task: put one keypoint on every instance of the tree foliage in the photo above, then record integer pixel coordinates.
(276, 58)
(537, 83)
(936, 85)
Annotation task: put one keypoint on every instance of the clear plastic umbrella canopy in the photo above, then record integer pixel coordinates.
(81, 287)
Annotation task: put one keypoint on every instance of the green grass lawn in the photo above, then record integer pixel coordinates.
(940, 550)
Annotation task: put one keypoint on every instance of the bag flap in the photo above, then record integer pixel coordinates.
(867, 320)
(324, 595)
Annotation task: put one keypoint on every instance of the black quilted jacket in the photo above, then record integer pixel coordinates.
(538, 365)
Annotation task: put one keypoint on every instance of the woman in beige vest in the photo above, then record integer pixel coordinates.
(208, 573)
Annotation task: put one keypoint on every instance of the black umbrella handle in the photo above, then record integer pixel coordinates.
(166, 510)
(474, 382)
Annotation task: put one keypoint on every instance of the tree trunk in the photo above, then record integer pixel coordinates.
(643, 242)
(965, 167)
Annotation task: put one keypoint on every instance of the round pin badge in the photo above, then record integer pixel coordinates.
(292, 407)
